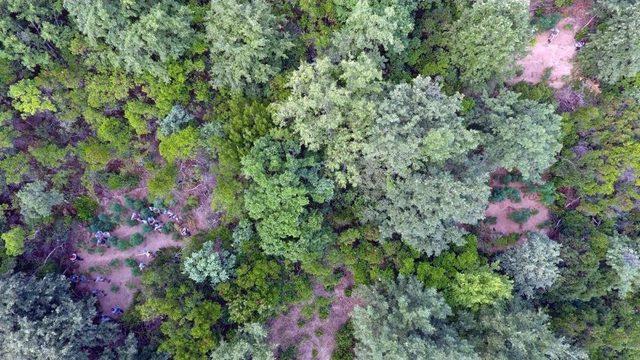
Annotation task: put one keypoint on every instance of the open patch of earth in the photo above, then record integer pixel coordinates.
(556, 53)
(314, 338)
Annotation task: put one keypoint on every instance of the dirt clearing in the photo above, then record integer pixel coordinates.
(554, 53)
(314, 338)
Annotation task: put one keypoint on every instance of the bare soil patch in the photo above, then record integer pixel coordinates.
(557, 54)
(96, 265)
(315, 334)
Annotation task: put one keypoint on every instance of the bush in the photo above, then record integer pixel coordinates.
(86, 208)
(136, 239)
(131, 262)
(122, 181)
(116, 209)
(123, 244)
(521, 216)
(540, 92)
(113, 241)
(499, 194)
(345, 343)
(547, 22)
(102, 222)
(146, 228)
(507, 240)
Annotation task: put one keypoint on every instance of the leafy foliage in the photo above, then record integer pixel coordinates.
(209, 263)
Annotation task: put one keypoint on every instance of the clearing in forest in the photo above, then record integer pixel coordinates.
(553, 51)
(311, 327)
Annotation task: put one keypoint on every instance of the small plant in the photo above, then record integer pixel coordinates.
(116, 209)
(563, 3)
(136, 239)
(146, 228)
(307, 312)
(521, 216)
(319, 332)
(507, 240)
(114, 289)
(547, 22)
(115, 263)
(132, 222)
(123, 244)
(113, 241)
(491, 220)
(131, 262)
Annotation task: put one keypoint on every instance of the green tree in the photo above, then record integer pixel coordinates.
(486, 40)
(284, 196)
(533, 265)
(28, 99)
(523, 134)
(513, 331)
(209, 263)
(250, 342)
(33, 32)
(14, 241)
(175, 121)
(138, 36)
(189, 315)
(245, 44)
(180, 145)
(403, 320)
(624, 257)
(15, 167)
(374, 25)
(612, 52)
(39, 319)
(474, 290)
(36, 202)
(331, 107)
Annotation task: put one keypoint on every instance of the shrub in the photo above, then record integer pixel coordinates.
(507, 240)
(102, 222)
(136, 239)
(123, 244)
(547, 22)
(131, 262)
(146, 228)
(521, 216)
(86, 208)
(122, 181)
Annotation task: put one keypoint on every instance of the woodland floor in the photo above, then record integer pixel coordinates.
(557, 55)
(121, 277)
(289, 330)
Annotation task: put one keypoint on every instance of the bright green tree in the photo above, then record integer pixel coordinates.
(330, 108)
(180, 145)
(284, 196)
(14, 241)
(28, 99)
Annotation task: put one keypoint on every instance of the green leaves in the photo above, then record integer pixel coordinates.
(285, 190)
(28, 99)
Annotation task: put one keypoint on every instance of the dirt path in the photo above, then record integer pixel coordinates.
(316, 334)
(121, 276)
(558, 54)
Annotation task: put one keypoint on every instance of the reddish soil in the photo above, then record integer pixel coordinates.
(558, 54)
(502, 209)
(284, 330)
(97, 264)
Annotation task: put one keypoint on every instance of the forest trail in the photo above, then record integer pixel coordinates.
(558, 54)
(287, 330)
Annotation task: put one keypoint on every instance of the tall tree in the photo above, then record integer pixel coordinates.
(284, 197)
(624, 257)
(523, 134)
(533, 265)
(373, 26)
(513, 331)
(139, 36)
(403, 320)
(246, 45)
(40, 320)
(486, 40)
(420, 179)
(612, 53)
(331, 107)
(36, 202)
(249, 343)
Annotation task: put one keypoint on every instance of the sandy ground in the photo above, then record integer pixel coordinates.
(285, 332)
(559, 53)
(122, 276)
(502, 209)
